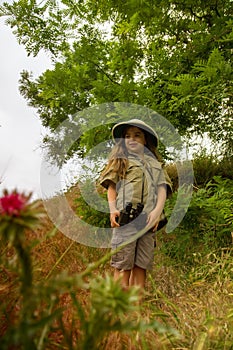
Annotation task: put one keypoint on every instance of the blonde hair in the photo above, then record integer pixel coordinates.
(118, 159)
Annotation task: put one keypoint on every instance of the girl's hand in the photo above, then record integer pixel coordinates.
(153, 219)
(113, 218)
(154, 216)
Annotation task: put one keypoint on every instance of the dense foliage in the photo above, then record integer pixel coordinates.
(208, 223)
(174, 57)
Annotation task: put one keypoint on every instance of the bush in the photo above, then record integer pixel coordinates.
(205, 167)
(208, 222)
(225, 167)
(92, 206)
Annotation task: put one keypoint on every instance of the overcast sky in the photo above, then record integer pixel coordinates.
(20, 129)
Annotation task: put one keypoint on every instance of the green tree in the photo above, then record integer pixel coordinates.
(171, 56)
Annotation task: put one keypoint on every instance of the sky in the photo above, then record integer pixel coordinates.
(21, 132)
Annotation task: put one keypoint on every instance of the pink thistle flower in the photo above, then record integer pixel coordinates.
(12, 204)
(17, 214)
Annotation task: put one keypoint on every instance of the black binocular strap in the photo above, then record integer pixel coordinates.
(143, 181)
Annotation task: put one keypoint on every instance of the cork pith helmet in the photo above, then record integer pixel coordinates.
(118, 130)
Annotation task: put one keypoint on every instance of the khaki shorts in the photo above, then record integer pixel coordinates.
(139, 252)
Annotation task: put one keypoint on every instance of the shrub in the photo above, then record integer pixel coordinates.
(92, 206)
(226, 166)
(208, 222)
(205, 167)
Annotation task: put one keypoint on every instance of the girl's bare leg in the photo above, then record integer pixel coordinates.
(131, 278)
(138, 277)
(123, 275)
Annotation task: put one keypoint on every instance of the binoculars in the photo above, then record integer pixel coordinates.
(129, 214)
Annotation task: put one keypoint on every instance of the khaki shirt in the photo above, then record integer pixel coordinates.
(131, 188)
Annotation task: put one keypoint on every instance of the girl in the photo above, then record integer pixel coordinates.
(137, 189)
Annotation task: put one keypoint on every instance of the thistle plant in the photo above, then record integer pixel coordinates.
(17, 215)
